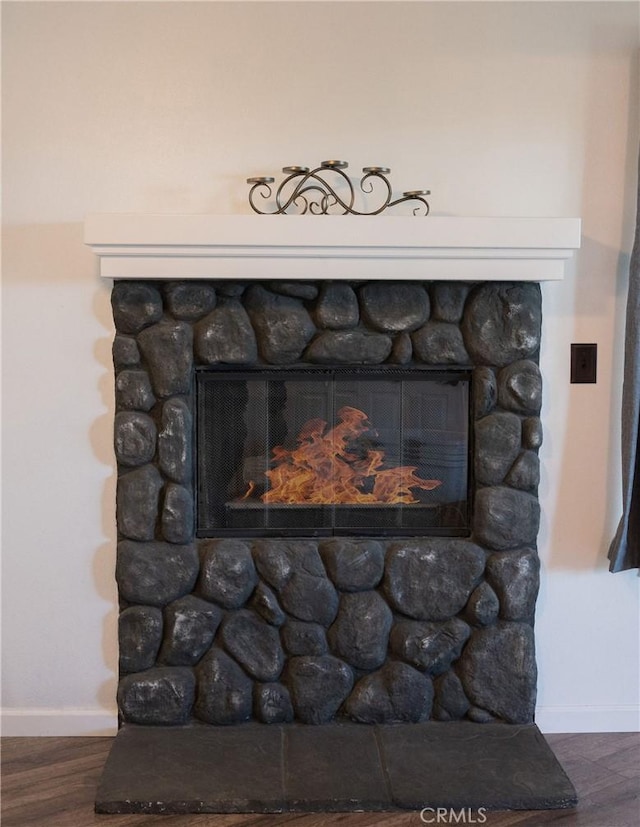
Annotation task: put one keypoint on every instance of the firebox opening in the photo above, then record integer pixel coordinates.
(322, 451)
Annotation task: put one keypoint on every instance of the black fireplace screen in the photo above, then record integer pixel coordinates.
(315, 452)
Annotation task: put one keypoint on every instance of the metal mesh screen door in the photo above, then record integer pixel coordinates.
(321, 451)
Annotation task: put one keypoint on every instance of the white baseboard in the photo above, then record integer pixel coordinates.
(46, 721)
(588, 718)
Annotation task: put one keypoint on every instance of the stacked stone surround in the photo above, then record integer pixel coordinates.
(226, 630)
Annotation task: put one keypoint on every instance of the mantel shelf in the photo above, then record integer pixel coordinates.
(331, 247)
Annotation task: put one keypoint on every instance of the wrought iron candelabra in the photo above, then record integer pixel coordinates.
(316, 191)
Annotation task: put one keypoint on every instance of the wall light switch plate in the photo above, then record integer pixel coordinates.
(584, 362)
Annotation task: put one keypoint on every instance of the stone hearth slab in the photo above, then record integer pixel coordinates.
(496, 766)
(194, 770)
(338, 767)
(334, 768)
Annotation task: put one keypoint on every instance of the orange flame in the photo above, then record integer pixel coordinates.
(320, 470)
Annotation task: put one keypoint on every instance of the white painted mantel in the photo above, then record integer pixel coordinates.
(331, 247)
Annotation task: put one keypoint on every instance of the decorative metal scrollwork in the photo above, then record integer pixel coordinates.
(318, 191)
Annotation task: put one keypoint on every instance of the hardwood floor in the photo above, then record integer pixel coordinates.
(52, 782)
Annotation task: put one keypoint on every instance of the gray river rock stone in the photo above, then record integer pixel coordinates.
(392, 308)
(177, 514)
(190, 300)
(397, 693)
(449, 703)
(520, 387)
(174, 441)
(337, 307)
(135, 305)
(254, 644)
(134, 438)
(265, 603)
(485, 391)
(282, 325)
(502, 322)
(125, 352)
(154, 574)
(447, 300)
(273, 561)
(224, 693)
(190, 626)
(302, 638)
(431, 647)
(515, 577)
(402, 349)
(157, 697)
(318, 687)
(525, 472)
(360, 632)
(483, 606)
(133, 391)
(498, 440)
(439, 343)
(432, 579)
(349, 347)
(228, 576)
(311, 598)
(226, 336)
(532, 432)
(168, 350)
(494, 523)
(137, 494)
(277, 560)
(498, 671)
(353, 565)
(139, 637)
(272, 703)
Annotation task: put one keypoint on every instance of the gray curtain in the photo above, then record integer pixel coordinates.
(624, 552)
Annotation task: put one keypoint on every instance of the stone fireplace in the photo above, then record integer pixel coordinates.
(241, 604)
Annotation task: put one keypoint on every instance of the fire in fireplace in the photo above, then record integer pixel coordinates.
(316, 451)
(328, 467)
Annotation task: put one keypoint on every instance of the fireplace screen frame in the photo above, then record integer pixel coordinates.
(204, 375)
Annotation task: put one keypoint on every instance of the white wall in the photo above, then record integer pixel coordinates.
(500, 109)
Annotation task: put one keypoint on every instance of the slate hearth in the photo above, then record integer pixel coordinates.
(386, 632)
(332, 768)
